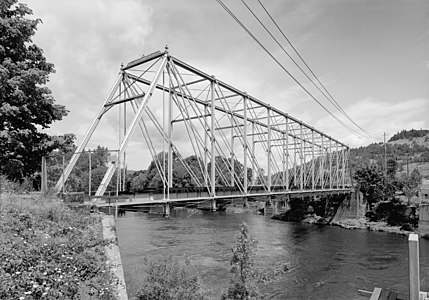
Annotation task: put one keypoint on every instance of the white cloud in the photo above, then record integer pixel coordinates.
(87, 41)
(378, 116)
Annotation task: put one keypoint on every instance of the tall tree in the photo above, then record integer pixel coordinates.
(26, 104)
(371, 180)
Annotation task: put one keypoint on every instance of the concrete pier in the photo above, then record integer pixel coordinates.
(167, 210)
(213, 205)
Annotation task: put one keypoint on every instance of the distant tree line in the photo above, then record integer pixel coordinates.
(408, 134)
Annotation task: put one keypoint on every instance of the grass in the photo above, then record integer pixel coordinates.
(51, 251)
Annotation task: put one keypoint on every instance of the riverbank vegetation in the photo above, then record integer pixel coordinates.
(51, 251)
(388, 195)
(168, 278)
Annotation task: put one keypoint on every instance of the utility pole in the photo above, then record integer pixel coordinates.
(385, 156)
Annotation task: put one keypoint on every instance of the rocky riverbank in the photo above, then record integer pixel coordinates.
(348, 223)
(362, 223)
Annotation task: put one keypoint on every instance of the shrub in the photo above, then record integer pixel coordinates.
(244, 283)
(169, 279)
(394, 212)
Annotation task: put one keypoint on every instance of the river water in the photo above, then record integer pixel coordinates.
(325, 262)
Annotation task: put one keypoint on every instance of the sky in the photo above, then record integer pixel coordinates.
(372, 56)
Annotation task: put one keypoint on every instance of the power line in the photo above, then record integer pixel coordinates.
(335, 103)
(284, 69)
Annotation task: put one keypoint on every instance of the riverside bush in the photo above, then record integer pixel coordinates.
(48, 251)
(168, 279)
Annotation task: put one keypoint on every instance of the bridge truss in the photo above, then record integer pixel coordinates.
(254, 147)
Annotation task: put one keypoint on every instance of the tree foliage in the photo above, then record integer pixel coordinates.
(26, 104)
(78, 180)
(244, 284)
(410, 183)
(150, 178)
(370, 181)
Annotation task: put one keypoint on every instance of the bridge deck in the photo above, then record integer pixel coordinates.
(134, 202)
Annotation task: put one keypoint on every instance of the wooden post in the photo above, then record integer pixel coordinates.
(44, 177)
(413, 266)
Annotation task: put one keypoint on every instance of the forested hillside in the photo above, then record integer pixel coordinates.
(410, 134)
(406, 148)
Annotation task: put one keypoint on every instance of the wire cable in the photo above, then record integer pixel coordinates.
(284, 69)
(333, 101)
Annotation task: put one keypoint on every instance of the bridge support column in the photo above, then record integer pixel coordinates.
(287, 205)
(275, 206)
(167, 210)
(213, 205)
(245, 204)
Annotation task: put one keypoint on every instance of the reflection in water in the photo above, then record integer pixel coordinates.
(324, 262)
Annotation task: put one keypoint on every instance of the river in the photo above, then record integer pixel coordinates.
(326, 262)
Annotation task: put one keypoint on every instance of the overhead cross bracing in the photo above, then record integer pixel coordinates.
(255, 148)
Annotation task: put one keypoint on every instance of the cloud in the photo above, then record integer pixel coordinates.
(87, 41)
(377, 117)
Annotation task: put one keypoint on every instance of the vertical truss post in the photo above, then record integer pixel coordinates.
(294, 162)
(269, 149)
(232, 156)
(312, 159)
(287, 155)
(253, 154)
(169, 133)
(284, 157)
(206, 180)
(344, 168)
(124, 168)
(118, 159)
(337, 169)
(330, 163)
(302, 157)
(322, 171)
(212, 130)
(245, 185)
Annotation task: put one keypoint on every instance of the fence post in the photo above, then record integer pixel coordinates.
(44, 177)
(413, 266)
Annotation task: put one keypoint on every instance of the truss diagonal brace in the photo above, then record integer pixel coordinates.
(78, 151)
(109, 173)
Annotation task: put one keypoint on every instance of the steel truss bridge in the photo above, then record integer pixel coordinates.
(236, 140)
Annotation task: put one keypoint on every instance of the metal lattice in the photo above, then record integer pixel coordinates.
(254, 148)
